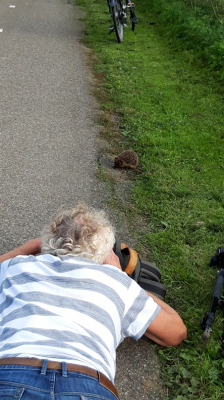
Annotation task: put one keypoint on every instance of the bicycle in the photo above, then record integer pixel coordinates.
(118, 12)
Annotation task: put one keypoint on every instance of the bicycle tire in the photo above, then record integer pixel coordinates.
(116, 12)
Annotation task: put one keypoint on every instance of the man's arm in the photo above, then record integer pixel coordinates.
(167, 329)
(31, 247)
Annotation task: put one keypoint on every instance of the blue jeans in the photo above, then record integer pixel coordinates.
(20, 382)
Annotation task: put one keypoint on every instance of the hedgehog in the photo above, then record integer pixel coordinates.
(126, 159)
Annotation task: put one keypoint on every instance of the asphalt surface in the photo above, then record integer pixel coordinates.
(49, 146)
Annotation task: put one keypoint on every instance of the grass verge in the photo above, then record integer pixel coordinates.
(195, 27)
(171, 114)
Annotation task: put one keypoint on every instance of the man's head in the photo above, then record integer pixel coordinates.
(81, 232)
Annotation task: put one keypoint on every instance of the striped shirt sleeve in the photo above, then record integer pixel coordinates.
(140, 311)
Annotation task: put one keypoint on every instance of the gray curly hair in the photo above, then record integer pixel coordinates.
(80, 232)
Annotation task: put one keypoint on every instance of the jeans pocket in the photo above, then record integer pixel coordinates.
(8, 392)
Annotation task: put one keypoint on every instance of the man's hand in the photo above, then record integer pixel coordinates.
(31, 247)
(112, 259)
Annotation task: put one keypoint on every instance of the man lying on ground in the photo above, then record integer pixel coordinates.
(64, 312)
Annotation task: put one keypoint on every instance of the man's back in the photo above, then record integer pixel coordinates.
(70, 309)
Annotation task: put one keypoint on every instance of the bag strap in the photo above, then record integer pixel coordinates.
(145, 273)
(133, 259)
(156, 288)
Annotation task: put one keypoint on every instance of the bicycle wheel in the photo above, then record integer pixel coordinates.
(117, 15)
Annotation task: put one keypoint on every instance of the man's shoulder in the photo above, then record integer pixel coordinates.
(80, 266)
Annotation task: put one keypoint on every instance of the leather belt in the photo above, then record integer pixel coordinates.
(34, 362)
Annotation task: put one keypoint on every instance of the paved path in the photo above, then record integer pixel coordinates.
(48, 144)
(47, 132)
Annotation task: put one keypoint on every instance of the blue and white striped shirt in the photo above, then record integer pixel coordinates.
(69, 309)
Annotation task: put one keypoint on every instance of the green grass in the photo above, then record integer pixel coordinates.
(195, 26)
(172, 114)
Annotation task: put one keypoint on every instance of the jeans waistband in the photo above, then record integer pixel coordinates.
(34, 362)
